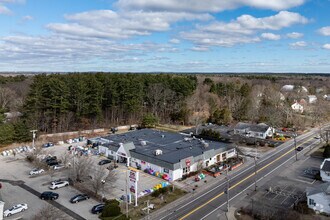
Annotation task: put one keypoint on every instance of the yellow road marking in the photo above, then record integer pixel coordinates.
(235, 185)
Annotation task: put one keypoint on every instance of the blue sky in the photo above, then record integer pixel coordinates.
(167, 36)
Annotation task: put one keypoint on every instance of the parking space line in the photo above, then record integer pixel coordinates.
(22, 185)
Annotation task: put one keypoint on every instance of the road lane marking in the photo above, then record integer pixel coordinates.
(273, 153)
(253, 183)
(243, 180)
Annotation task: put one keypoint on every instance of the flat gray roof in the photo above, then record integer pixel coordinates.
(174, 146)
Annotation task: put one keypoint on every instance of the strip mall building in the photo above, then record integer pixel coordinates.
(166, 153)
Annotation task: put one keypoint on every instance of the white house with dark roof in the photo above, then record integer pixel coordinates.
(168, 153)
(318, 198)
(297, 107)
(261, 130)
(325, 170)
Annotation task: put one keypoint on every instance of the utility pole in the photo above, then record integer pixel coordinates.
(255, 173)
(126, 193)
(33, 137)
(295, 144)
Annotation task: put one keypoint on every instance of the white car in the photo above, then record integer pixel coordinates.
(36, 171)
(58, 184)
(15, 209)
(58, 167)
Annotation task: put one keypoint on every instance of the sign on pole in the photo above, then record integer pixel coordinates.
(133, 187)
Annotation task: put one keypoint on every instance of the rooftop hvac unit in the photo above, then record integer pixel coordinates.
(121, 144)
(163, 136)
(186, 139)
(158, 152)
(206, 145)
(143, 143)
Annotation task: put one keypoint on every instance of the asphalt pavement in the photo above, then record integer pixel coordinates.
(204, 205)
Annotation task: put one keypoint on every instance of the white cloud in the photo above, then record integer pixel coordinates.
(270, 36)
(200, 49)
(298, 44)
(27, 18)
(325, 31)
(110, 24)
(241, 29)
(4, 10)
(206, 5)
(295, 35)
(326, 46)
(174, 41)
(62, 53)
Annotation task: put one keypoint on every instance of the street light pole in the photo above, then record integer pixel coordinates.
(33, 137)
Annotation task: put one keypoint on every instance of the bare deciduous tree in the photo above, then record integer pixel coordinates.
(98, 178)
(81, 166)
(7, 96)
(49, 212)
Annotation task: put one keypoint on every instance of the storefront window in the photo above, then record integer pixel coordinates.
(166, 170)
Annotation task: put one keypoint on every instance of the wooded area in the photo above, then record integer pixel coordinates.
(65, 102)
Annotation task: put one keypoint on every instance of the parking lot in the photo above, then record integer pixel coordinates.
(17, 168)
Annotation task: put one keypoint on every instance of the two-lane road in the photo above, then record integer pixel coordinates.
(201, 206)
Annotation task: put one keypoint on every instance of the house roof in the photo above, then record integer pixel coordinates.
(322, 188)
(175, 147)
(325, 166)
(262, 127)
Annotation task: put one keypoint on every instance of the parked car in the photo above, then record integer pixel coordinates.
(97, 208)
(102, 162)
(36, 171)
(58, 166)
(299, 148)
(15, 209)
(56, 181)
(59, 184)
(49, 159)
(49, 195)
(78, 198)
(53, 163)
(49, 144)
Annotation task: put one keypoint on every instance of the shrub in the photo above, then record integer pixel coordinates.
(112, 202)
(155, 193)
(110, 210)
(326, 152)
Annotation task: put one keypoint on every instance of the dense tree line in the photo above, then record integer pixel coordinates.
(58, 103)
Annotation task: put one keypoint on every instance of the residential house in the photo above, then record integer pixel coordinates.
(311, 99)
(325, 170)
(261, 130)
(318, 198)
(291, 88)
(297, 107)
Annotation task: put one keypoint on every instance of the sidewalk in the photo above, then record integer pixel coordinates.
(192, 194)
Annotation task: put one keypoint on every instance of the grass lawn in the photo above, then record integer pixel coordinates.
(137, 213)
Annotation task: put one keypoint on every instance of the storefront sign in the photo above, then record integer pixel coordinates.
(133, 175)
(188, 163)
